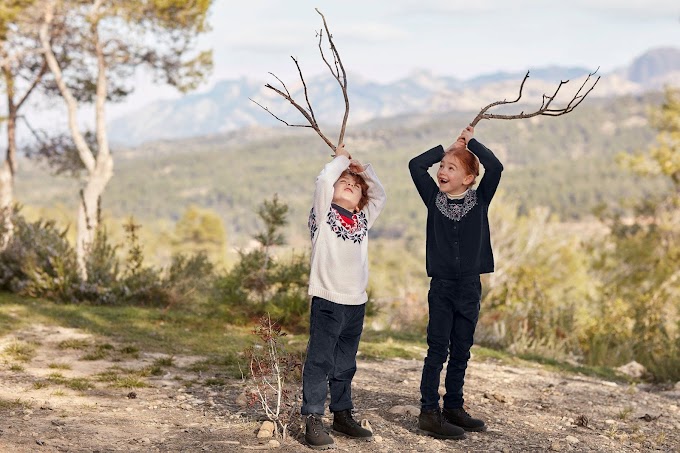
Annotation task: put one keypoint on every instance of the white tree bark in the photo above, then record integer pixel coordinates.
(6, 198)
(99, 169)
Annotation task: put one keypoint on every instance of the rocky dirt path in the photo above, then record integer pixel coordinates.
(527, 409)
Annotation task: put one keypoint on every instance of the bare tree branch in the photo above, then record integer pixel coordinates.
(38, 78)
(71, 102)
(338, 73)
(544, 109)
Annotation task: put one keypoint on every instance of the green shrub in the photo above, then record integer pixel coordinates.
(103, 271)
(261, 282)
(38, 261)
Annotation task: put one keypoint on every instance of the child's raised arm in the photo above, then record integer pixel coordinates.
(418, 167)
(323, 193)
(492, 169)
(376, 192)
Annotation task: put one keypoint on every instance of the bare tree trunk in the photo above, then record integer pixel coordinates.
(9, 166)
(103, 171)
(99, 168)
(88, 218)
(6, 199)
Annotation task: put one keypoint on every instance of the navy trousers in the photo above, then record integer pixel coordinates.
(334, 333)
(453, 314)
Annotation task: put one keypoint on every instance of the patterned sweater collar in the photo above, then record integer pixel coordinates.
(453, 209)
(342, 211)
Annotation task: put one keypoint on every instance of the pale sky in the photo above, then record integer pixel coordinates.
(386, 40)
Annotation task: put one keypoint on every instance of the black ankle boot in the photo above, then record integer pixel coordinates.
(433, 424)
(315, 436)
(460, 417)
(344, 423)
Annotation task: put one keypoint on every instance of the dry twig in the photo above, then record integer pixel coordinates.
(337, 70)
(545, 108)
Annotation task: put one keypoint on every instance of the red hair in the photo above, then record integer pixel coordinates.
(467, 160)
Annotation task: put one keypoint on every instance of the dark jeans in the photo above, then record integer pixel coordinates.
(453, 311)
(334, 333)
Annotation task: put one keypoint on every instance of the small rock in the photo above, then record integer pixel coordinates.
(495, 396)
(242, 400)
(132, 395)
(500, 398)
(274, 443)
(610, 422)
(266, 430)
(377, 439)
(405, 410)
(40, 442)
(58, 423)
(556, 446)
(632, 369)
(572, 440)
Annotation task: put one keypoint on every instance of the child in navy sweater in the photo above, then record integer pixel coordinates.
(347, 200)
(458, 250)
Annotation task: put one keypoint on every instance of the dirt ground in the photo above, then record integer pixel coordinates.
(526, 409)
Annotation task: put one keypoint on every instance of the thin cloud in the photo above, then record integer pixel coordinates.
(613, 9)
(373, 32)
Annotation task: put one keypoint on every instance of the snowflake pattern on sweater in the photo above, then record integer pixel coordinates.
(311, 223)
(456, 211)
(355, 233)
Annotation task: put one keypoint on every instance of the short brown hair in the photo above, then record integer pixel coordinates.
(363, 201)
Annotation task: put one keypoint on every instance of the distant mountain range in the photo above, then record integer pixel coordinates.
(227, 107)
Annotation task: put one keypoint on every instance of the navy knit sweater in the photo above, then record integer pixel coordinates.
(458, 243)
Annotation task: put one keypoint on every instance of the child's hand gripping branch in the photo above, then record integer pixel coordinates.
(463, 139)
(341, 151)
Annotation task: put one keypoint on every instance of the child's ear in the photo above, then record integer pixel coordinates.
(468, 180)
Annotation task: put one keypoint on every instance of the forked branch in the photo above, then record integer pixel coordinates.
(546, 105)
(338, 72)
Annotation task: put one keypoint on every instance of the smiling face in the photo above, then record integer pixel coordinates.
(452, 176)
(347, 191)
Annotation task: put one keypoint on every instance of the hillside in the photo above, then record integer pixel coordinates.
(227, 107)
(565, 163)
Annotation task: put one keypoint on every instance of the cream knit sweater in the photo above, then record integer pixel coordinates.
(339, 261)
